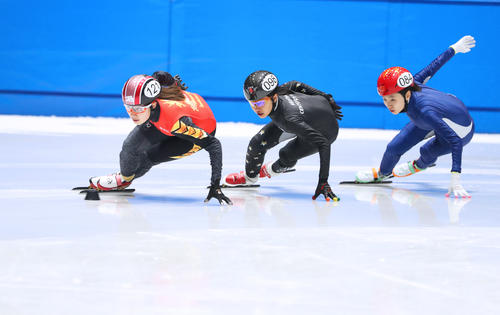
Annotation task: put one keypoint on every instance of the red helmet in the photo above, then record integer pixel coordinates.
(393, 80)
(140, 89)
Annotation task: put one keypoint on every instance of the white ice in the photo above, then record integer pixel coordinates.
(395, 249)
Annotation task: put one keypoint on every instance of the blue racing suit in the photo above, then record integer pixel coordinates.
(432, 111)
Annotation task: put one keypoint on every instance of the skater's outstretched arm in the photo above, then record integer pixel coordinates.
(306, 132)
(464, 45)
(303, 88)
(313, 136)
(184, 128)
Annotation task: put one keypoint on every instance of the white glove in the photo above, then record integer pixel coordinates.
(464, 44)
(456, 190)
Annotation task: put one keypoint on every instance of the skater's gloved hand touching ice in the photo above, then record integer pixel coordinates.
(456, 190)
(216, 192)
(464, 45)
(324, 189)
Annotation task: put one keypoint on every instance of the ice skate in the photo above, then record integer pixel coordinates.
(406, 169)
(109, 182)
(267, 170)
(239, 180)
(242, 180)
(371, 176)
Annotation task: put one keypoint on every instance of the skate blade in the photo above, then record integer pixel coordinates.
(238, 186)
(353, 182)
(86, 189)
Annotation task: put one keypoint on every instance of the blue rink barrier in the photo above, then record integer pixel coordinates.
(58, 61)
(372, 115)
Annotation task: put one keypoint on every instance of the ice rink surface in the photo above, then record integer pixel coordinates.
(401, 248)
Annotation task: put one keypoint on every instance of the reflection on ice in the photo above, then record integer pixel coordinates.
(397, 249)
(384, 196)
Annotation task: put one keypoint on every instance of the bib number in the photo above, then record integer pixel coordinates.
(270, 82)
(152, 89)
(405, 80)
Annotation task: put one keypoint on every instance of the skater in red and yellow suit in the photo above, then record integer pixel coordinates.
(171, 124)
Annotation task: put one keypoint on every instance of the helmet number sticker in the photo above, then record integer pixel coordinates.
(152, 88)
(405, 80)
(270, 82)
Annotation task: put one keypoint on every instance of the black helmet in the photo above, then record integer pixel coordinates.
(259, 84)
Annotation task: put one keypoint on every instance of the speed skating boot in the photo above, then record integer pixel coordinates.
(109, 182)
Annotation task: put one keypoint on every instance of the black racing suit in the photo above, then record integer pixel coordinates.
(311, 119)
(147, 146)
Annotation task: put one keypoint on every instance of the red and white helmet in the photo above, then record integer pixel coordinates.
(393, 80)
(140, 89)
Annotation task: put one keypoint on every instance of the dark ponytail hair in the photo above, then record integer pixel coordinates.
(412, 88)
(172, 93)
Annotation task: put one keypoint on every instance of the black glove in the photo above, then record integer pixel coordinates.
(336, 108)
(324, 189)
(179, 83)
(216, 193)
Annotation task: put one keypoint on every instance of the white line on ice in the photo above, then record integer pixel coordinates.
(15, 124)
(382, 275)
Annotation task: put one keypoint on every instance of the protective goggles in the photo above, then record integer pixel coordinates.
(258, 103)
(138, 109)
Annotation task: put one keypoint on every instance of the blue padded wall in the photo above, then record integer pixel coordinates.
(71, 59)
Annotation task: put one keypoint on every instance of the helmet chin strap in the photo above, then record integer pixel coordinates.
(275, 104)
(405, 109)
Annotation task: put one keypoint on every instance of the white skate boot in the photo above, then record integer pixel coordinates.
(369, 176)
(406, 169)
(109, 182)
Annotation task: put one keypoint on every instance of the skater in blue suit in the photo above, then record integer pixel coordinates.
(433, 114)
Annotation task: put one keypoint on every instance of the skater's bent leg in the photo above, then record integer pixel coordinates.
(292, 152)
(431, 150)
(173, 148)
(134, 159)
(134, 164)
(266, 138)
(408, 137)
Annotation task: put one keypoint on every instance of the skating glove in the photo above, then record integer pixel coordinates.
(464, 45)
(456, 190)
(216, 192)
(336, 108)
(324, 189)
